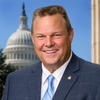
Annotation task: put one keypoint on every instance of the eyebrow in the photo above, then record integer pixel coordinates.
(45, 33)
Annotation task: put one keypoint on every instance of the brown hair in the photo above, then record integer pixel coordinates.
(52, 10)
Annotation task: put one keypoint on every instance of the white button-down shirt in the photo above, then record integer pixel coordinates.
(57, 76)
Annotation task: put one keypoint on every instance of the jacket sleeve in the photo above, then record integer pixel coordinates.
(6, 90)
(98, 94)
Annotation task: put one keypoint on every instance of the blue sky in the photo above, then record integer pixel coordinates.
(79, 12)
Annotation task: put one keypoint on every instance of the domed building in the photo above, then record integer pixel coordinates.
(19, 50)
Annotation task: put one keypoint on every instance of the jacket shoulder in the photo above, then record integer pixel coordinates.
(24, 72)
(89, 72)
(86, 65)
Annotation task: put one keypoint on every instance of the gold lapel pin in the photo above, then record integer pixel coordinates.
(69, 77)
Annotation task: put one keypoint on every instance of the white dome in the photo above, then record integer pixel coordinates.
(19, 50)
(21, 37)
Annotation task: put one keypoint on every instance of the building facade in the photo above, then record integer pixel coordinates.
(20, 49)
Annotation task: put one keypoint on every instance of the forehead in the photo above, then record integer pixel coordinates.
(55, 17)
(49, 22)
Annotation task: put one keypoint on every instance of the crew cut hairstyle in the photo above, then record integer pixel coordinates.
(52, 10)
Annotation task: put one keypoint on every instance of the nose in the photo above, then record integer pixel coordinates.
(49, 42)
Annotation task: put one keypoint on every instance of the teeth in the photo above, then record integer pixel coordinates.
(51, 51)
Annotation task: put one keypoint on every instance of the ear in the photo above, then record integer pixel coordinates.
(32, 37)
(71, 35)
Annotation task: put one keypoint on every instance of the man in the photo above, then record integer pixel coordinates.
(61, 75)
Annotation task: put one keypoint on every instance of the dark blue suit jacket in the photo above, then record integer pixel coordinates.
(83, 85)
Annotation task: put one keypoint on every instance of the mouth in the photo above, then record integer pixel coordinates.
(50, 51)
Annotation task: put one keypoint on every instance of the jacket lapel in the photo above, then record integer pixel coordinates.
(69, 78)
(34, 84)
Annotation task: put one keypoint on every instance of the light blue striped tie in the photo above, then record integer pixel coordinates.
(50, 90)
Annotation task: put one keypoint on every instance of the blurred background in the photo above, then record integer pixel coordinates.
(79, 13)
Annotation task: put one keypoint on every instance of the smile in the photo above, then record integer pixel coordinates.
(50, 51)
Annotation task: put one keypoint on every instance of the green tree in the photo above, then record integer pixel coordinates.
(4, 71)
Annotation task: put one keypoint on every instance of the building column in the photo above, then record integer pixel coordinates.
(96, 31)
(93, 29)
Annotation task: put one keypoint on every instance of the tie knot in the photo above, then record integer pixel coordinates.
(50, 78)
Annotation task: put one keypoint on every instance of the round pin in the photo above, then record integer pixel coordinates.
(69, 77)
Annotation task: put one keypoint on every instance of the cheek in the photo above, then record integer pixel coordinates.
(64, 46)
(61, 43)
(38, 44)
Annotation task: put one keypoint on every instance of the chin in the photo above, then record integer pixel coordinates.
(51, 64)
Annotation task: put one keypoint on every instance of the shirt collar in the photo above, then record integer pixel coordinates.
(45, 74)
(58, 73)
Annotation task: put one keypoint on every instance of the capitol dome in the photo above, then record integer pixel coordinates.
(21, 37)
(19, 50)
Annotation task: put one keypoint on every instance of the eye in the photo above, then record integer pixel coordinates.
(57, 35)
(40, 36)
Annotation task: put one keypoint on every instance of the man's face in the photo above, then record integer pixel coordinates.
(51, 40)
